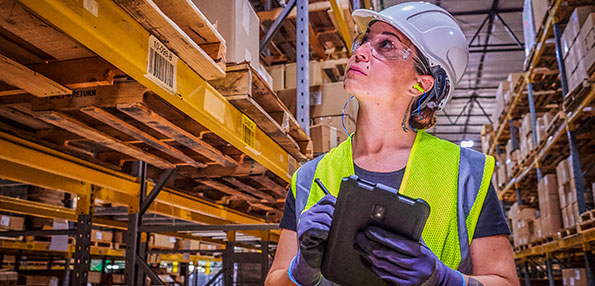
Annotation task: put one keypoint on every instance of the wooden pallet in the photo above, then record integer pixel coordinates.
(542, 241)
(244, 88)
(521, 247)
(567, 232)
(588, 215)
(576, 96)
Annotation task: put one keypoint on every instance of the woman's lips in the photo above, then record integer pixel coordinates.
(356, 70)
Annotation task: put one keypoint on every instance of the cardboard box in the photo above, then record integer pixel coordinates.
(162, 241)
(102, 236)
(188, 244)
(513, 78)
(38, 280)
(587, 33)
(333, 99)
(324, 138)
(503, 88)
(317, 76)
(541, 129)
(562, 191)
(277, 73)
(562, 172)
(551, 224)
(94, 277)
(239, 25)
(8, 222)
(540, 8)
(574, 277)
(335, 121)
(577, 19)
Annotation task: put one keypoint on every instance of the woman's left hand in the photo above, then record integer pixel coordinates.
(401, 261)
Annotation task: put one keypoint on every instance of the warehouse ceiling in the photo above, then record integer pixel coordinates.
(494, 54)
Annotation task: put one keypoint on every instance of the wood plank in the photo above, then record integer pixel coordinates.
(248, 167)
(19, 21)
(270, 184)
(228, 190)
(265, 122)
(238, 184)
(103, 96)
(23, 118)
(73, 125)
(148, 14)
(194, 23)
(267, 208)
(124, 127)
(318, 49)
(74, 74)
(24, 78)
(143, 114)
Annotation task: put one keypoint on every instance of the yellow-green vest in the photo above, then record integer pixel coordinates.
(453, 180)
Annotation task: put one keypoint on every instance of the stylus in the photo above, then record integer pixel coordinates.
(322, 187)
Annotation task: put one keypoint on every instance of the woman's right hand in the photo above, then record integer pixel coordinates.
(312, 231)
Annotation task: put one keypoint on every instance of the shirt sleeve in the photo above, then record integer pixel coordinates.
(491, 219)
(288, 219)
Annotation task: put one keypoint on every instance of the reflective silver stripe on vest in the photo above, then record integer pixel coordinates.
(305, 177)
(471, 167)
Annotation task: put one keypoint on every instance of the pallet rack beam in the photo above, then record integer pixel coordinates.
(115, 36)
(342, 25)
(42, 166)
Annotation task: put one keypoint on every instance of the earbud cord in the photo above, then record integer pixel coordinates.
(343, 116)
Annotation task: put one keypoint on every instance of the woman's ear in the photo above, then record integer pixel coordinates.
(426, 82)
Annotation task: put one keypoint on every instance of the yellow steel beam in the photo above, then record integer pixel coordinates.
(342, 25)
(37, 165)
(115, 36)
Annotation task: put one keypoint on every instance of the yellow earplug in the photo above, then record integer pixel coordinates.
(416, 86)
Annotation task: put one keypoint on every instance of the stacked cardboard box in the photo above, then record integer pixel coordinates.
(8, 277)
(502, 176)
(103, 236)
(326, 105)
(567, 193)
(549, 205)
(574, 277)
(38, 280)
(526, 141)
(324, 138)
(577, 45)
(162, 241)
(239, 25)
(487, 137)
(512, 157)
(11, 222)
(502, 98)
(521, 218)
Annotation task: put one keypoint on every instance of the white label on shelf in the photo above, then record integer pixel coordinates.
(92, 7)
(577, 274)
(214, 105)
(5, 221)
(571, 281)
(162, 65)
(172, 239)
(98, 235)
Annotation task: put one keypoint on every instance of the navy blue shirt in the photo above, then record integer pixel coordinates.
(491, 219)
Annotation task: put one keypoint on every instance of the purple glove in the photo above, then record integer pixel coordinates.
(312, 231)
(401, 261)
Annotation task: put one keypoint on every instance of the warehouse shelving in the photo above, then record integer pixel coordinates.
(104, 45)
(573, 106)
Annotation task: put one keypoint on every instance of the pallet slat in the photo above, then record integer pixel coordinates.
(143, 114)
(75, 126)
(122, 126)
(249, 189)
(24, 78)
(148, 14)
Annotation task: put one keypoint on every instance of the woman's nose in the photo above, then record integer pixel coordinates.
(363, 52)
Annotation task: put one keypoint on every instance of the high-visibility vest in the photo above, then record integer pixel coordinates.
(452, 180)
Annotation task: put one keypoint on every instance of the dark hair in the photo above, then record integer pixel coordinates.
(422, 119)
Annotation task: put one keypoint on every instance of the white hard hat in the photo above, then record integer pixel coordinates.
(433, 31)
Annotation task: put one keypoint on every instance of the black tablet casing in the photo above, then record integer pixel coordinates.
(359, 205)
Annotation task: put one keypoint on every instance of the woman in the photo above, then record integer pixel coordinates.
(404, 68)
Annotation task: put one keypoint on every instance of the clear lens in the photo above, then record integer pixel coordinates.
(384, 47)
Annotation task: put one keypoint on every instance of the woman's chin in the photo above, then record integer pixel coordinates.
(354, 87)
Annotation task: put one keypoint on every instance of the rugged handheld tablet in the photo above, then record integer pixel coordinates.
(360, 204)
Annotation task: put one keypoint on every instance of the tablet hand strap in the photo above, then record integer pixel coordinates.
(401, 261)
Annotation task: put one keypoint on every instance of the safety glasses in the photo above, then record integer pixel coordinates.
(384, 46)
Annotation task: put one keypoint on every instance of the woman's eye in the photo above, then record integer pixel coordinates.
(387, 45)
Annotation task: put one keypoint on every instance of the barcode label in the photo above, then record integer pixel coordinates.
(248, 131)
(161, 65)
